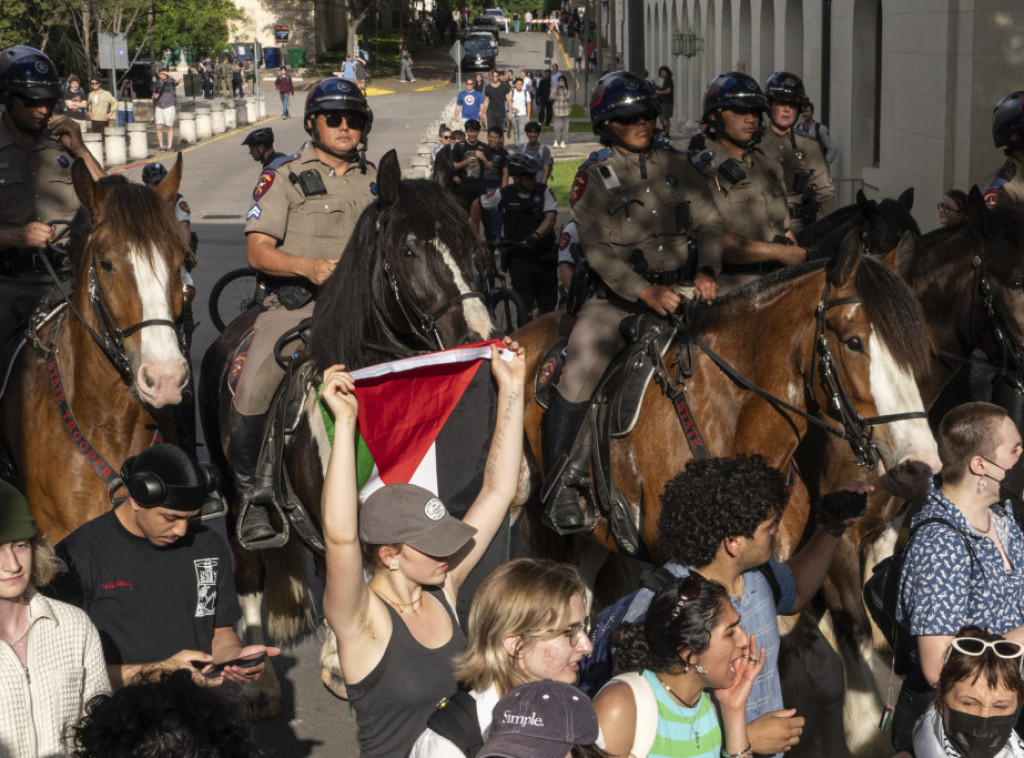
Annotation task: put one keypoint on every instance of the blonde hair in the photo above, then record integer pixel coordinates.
(526, 598)
(45, 563)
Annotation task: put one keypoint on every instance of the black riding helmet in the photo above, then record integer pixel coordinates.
(153, 173)
(262, 136)
(784, 87)
(620, 94)
(28, 72)
(733, 90)
(520, 164)
(1008, 121)
(337, 94)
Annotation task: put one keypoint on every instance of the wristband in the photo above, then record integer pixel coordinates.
(747, 752)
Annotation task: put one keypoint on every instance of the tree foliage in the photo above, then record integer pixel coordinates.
(204, 27)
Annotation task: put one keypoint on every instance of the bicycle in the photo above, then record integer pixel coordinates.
(238, 291)
(506, 306)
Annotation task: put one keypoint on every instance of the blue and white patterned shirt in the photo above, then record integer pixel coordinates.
(939, 591)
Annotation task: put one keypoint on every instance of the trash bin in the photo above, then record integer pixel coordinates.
(193, 85)
(272, 58)
(297, 57)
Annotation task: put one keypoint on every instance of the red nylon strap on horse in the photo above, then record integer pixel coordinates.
(691, 431)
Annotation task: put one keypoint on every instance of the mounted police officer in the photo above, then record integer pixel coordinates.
(1008, 133)
(746, 185)
(528, 211)
(636, 205)
(809, 189)
(303, 213)
(261, 147)
(36, 153)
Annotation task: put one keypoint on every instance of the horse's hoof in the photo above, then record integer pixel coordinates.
(334, 683)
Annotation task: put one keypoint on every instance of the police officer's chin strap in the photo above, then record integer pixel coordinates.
(642, 152)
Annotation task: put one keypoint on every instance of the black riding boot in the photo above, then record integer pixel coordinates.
(245, 435)
(567, 467)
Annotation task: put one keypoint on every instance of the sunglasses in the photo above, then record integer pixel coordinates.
(689, 587)
(446, 137)
(974, 647)
(634, 119)
(354, 120)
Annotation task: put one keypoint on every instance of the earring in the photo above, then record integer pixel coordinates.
(982, 484)
(686, 668)
(699, 669)
(393, 566)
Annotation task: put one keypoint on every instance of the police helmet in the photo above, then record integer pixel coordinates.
(336, 94)
(153, 173)
(28, 72)
(733, 90)
(784, 87)
(620, 94)
(262, 136)
(520, 164)
(1008, 121)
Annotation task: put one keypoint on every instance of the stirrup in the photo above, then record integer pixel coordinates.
(262, 497)
(563, 480)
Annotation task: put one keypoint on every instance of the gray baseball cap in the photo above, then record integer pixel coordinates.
(414, 516)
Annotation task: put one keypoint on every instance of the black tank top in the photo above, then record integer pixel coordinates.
(393, 701)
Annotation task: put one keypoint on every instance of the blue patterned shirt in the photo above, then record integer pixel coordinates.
(939, 591)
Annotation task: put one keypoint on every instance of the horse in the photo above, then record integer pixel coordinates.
(403, 286)
(106, 359)
(881, 223)
(968, 278)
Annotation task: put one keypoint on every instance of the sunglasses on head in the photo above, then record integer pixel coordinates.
(354, 120)
(689, 587)
(975, 647)
(634, 119)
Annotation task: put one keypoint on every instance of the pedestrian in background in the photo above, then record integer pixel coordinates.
(816, 130)
(520, 107)
(126, 103)
(405, 59)
(285, 88)
(665, 91)
(166, 99)
(102, 106)
(75, 104)
(562, 109)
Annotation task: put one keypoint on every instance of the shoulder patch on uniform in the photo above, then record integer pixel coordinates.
(578, 186)
(564, 241)
(491, 193)
(265, 181)
(183, 205)
(254, 212)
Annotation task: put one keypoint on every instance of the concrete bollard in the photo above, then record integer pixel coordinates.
(217, 118)
(251, 110)
(261, 103)
(114, 146)
(203, 128)
(241, 113)
(187, 127)
(94, 144)
(138, 142)
(230, 122)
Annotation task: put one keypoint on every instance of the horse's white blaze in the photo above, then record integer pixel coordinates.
(162, 370)
(477, 317)
(895, 391)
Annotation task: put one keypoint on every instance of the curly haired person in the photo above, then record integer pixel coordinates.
(719, 517)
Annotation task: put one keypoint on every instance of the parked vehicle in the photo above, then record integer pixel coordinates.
(485, 36)
(478, 54)
(485, 24)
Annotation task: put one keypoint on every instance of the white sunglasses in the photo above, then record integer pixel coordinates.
(975, 647)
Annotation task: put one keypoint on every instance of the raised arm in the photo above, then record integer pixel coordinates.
(501, 472)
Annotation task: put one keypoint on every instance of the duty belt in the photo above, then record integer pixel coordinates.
(19, 261)
(664, 278)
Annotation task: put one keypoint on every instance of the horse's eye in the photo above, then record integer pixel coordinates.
(106, 265)
(408, 252)
(855, 344)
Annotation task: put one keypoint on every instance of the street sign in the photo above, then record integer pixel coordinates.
(281, 33)
(113, 49)
(456, 51)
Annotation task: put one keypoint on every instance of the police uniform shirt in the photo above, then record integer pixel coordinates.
(800, 154)
(543, 198)
(35, 184)
(754, 206)
(313, 226)
(618, 211)
(1010, 178)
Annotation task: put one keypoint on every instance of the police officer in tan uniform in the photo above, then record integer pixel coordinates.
(636, 204)
(36, 153)
(746, 185)
(303, 213)
(1008, 133)
(809, 189)
(223, 72)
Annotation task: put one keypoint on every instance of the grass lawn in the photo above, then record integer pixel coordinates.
(575, 127)
(560, 181)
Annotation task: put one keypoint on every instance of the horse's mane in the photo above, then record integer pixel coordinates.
(888, 303)
(348, 300)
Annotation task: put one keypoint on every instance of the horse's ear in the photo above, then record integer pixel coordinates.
(444, 168)
(389, 178)
(977, 211)
(907, 198)
(168, 186)
(900, 255)
(864, 205)
(846, 262)
(86, 187)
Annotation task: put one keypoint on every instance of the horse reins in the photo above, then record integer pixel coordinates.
(857, 430)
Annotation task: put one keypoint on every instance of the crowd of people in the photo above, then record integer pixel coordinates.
(126, 630)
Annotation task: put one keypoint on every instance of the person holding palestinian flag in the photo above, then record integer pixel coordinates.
(398, 633)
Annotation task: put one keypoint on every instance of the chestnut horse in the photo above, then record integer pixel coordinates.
(87, 396)
(403, 286)
(969, 280)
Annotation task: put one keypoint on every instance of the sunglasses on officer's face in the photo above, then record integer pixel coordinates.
(354, 120)
(635, 119)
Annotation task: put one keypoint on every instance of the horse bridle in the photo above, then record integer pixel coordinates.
(856, 430)
(423, 325)
(110, 339)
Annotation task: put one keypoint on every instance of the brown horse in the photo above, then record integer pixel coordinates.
(87, 396)
(969, 280)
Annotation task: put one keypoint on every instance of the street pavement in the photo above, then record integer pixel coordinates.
(218, 180)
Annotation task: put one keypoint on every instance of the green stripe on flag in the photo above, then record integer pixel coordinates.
(364, 460)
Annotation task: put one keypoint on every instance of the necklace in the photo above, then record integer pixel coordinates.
(400, 607)
(693, 731)
(24, 632)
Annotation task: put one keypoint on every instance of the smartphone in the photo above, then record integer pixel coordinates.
(839, 506)
(245, 662)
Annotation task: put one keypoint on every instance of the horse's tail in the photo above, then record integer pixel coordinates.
(289, 602)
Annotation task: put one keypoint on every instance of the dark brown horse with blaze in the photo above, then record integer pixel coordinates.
(103, 365)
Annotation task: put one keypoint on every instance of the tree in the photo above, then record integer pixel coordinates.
(201, 26)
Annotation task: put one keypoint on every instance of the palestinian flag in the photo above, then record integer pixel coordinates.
(427, 420)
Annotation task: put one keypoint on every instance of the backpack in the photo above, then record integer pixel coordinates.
(882, 598)
(455, 719)
(597, 668)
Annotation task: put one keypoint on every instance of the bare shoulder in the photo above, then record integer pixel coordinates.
(616, 713)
